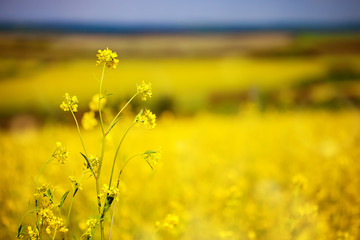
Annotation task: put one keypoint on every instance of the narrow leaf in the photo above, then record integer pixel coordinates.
(87, 161)
(76, 189)
(149, 165)
(88, 164)
(50, 195)
(63, 199)
(19, 231)
(149, 152)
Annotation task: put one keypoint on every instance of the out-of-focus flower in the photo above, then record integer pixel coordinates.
(108, 57)
(145, 90)
(69, 103)
(89, 121)
(61, 154)
(94, 103)
(148, 118)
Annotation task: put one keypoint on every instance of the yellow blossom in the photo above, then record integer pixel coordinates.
(152, 157)
(145, 90)
(109, 192)
(89, 121)
(75, 183)
(61, 154)
(108, 57)
(69, 103)
(147, 117)
(300, 181)
(33, 234)
(91, 224)
(94, 161)
(171, 221)
(51, 222)
(94, 103)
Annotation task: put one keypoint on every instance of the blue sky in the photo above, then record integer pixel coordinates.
(180, 12)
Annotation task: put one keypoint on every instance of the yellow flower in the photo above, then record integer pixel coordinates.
(145, 90)
(94, 161)
(89, 121)
(33, 234)
(300, 181)
(75, 183)
(51, 222)
(171, 221)
(94, 103)
(61, 154)
(152, 157)
(147, 117)
(91, 224)
(109, 192)
(108, 57)
(69, 103)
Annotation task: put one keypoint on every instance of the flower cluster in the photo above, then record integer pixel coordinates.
(69, 103)
(75, 183)
(108, 57)
(94, 103)
(344, 236)
(91, 224)
(170, 222)
(300, 181)
(112, 192)
(152, 157)
(33, 234)
(61, 154)
(89, 121)
(44, 196)
(45, 193)
(52, 223)
(147, 117)
(145, 90)
(94, 161)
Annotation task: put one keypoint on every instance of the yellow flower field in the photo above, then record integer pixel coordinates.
(274, 175)
(262, 145)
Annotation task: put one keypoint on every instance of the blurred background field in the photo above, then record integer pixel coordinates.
(258, 126)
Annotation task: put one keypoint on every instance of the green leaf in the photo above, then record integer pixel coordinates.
(50, 195)
(149, 152)
(88, 164)
(21, 227)
(149, 164)
(87, 161)
(63, 199)
(76, 189)
(106, 95)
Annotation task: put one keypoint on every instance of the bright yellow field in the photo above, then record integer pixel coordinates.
(289, 175)
(256, 145)
(184, 80)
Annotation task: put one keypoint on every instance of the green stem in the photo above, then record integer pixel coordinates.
(102, 150)
(36, 184)
(72, 200)
(82, 143)
(68, 216)
(27, 213)
(102, 131)
(112, 221)
(122, 169)
(117, 185)
(78, 128)
(117, 151)
(53, 238)
(100, 90)
(115, 120)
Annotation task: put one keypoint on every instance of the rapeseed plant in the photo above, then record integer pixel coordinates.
(47, 209)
